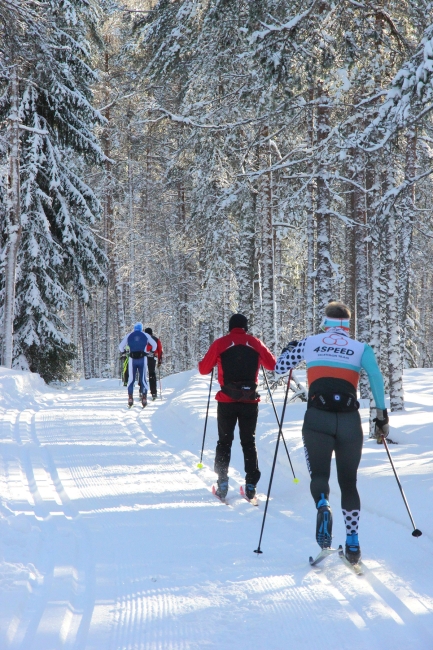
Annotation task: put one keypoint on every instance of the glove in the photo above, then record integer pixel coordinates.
(289, 346)
(381, 422)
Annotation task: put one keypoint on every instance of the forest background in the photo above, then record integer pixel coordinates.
(177, 161)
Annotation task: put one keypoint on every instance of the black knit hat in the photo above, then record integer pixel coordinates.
(148, 330)
(238, 320)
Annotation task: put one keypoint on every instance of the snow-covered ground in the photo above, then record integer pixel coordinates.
(111, 539)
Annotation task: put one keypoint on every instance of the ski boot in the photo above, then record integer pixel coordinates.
(144, 400)
(250, 491)
(223, 488)
(324, 523)
(130, 401)
(154, 396)
(353, 549)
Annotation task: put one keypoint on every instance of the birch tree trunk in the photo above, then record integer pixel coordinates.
(406, 233)
(105, 317)
(14, 221)
(131, 241)
(394, 356)
(323, 267)
(268, 298)
(311, 244)
(245, 259)
(361, 261)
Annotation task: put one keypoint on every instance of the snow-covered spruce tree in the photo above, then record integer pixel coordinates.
(58, 254)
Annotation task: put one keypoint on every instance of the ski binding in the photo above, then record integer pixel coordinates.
(219, 498)
(254, 501)
(356, 568)
(322, 555)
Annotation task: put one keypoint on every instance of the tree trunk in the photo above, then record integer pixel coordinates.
(406, 233)
(84, 340)
(268, 298)
(14, 222)
(394, 356)
(311, 227)
(323, 267)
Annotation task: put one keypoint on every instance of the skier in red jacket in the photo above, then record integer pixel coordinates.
(153, 356)
(238, 356)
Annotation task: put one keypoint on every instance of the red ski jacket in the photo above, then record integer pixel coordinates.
(159, 351)
(238, 356)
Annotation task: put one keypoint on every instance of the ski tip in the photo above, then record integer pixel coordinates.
(311, 559)
(417, 533)
(200, 465)
(241, 490)
(213, 489)
(295, 480)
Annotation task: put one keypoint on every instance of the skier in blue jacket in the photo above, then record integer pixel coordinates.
(137, 341)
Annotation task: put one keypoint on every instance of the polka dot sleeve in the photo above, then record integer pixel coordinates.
(290, 358)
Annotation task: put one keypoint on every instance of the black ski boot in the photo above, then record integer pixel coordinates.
(353, 549)
(130, 401)
(324, 523)
(144, 400)
(223, 488)
(250, 491)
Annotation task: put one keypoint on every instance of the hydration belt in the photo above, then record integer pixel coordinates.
(241, 391)
(333, 401)
(137, 355)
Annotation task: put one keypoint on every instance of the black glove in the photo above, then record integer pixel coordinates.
(381, 422)
(289, 346)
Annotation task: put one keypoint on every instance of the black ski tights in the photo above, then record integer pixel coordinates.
(325, 432)
(230, 413)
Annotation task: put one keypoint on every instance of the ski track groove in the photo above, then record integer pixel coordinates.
(52, 461)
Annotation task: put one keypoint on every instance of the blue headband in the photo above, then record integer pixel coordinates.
(335, 322)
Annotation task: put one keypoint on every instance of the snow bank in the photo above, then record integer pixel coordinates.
(18, 387)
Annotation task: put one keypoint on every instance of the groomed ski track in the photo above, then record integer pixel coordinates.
(111, 538)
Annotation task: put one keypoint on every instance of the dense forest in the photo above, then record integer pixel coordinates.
(176, 161)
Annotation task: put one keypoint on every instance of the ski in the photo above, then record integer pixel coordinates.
(322, 555)
(254, 501)
(356, 568)
(219, 498)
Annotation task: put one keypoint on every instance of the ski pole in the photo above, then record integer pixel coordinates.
(416, 532)
(160, 384)
(295, 480)
(200, 465)
(258, 550)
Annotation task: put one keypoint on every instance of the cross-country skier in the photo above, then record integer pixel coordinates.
(137, 343)
(152, 358)
(332, 422)
(238, 356)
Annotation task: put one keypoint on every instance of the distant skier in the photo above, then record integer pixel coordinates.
(152, 359)
(238, 356)
(137, 343)
(332, 422)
